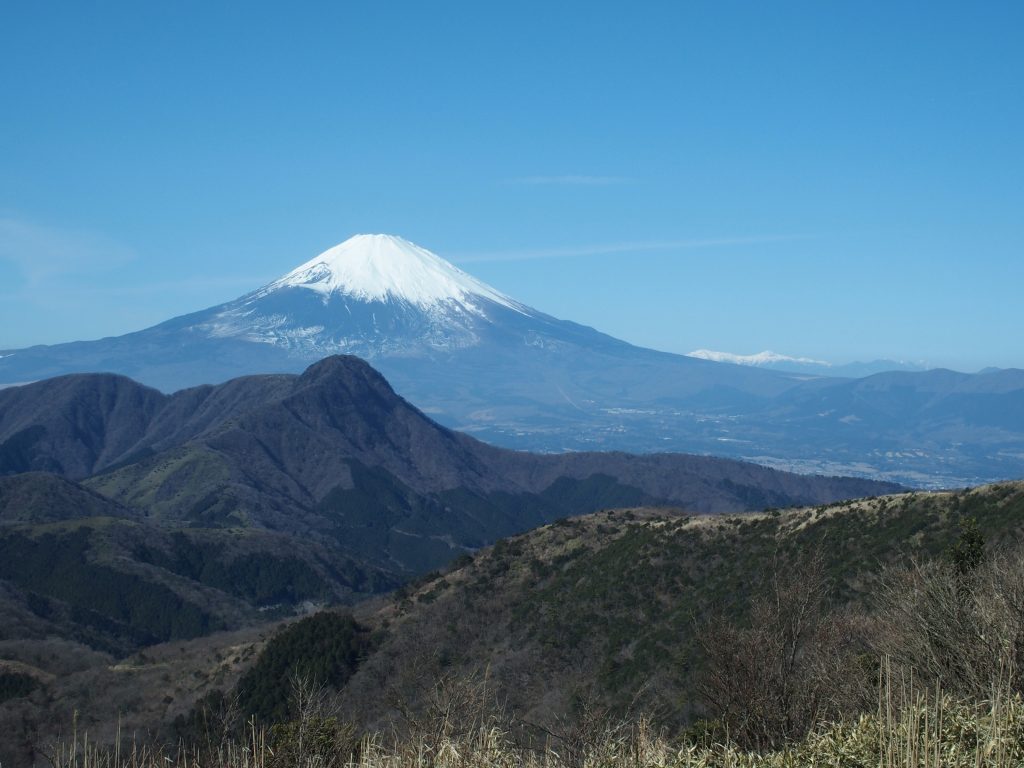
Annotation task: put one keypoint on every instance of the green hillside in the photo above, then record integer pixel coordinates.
(603, 608)
(594, 615)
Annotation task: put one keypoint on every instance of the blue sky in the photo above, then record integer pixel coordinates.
(835, 180)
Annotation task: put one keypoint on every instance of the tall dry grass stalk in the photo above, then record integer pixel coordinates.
(911, 729)
(80, 753)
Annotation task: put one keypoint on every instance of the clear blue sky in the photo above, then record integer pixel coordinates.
(832, 179)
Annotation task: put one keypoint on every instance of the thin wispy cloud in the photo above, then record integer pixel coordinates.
(205, 288)
(638, 246)
(571, 180)
(41, 253)
(54, 266)
(183, 287)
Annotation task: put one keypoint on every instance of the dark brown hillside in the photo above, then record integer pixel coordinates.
(336, 456)
(41, 497)
(340, 485)
(273, 492)
(73, 425)
(139, 695)
(77, 565)
(602, 610)
(597, 611)
(697, 483)
(86, 423)
(341, 409)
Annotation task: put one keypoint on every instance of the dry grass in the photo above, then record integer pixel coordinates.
(909, 730)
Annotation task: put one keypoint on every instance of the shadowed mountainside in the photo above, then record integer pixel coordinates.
(177, 515)
(603, 610)
(591, 614)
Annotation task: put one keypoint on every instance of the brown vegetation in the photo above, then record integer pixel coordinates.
(574, 635)
(791, 665)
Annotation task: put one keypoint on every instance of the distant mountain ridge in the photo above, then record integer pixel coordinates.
(207, 508)
(806, 365)
(95, 424)
(483, 363)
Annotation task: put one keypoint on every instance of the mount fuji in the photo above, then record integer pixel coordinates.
(477, 360)
(445, 339)
(372, 296)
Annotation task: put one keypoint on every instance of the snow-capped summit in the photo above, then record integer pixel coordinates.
(387, 267)
(372, 295)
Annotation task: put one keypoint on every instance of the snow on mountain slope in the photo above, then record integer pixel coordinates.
(373, 296)
(761, 358)
(383, 267)
(806, 365)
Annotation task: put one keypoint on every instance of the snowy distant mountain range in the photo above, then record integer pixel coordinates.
(480, 361)
(775, 361)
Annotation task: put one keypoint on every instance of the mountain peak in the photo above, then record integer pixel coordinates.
(388, 268)
(338, 366)
(761, 358)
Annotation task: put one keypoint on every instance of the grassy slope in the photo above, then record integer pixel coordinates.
(603, 607)
(82, 569)
(141, 694)
(175, 480)
(589, 609)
